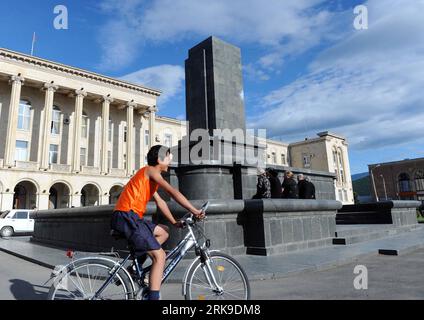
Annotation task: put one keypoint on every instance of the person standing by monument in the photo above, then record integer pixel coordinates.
(305, 187)
(263, 187)
(289, 186)
(144, 236)
(276, 187)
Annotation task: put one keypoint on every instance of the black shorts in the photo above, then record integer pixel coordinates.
(138, 232)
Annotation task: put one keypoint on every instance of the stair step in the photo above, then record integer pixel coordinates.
(346, 237)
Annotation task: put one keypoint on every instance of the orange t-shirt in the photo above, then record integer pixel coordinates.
(136, 194)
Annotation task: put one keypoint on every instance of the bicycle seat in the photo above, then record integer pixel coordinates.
(117, 235)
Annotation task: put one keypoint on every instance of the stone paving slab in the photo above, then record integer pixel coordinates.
(256, 267)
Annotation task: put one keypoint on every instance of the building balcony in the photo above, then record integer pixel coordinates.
(117, 172)
(26, 165)
(60, 167)
(90, 170)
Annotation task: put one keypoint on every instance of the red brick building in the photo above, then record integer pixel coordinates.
(398, 180)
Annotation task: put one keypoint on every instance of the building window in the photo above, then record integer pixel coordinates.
(125, 160)
(283, 159)
(274, 158)
(125, 134)
(306, 161)
(110, 131)
(146, 138)
(168, 140)
(341, 167)
(404, 185)
(53, 153)
(24, 115)
(419, 180)
(345, 195)
(55, 126)
(84, 126)
(109, 159)
(83, 156)
(340, 198)
(21, 151)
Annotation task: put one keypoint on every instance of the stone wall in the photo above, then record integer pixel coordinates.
(398, 213)
(236, 226)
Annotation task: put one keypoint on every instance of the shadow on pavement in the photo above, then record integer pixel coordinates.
(23, 290)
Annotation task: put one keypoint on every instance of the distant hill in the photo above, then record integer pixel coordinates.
(362, 186)
(359, 175)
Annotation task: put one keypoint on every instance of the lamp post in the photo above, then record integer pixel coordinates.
(384, 184)
(373, 182)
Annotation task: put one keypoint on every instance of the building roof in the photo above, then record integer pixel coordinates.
(396, 162)
(331, 134)
(35, 61)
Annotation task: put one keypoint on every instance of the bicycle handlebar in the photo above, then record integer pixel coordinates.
(189, 217)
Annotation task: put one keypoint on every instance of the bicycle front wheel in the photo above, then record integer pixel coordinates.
(229, 275)
(82, 279)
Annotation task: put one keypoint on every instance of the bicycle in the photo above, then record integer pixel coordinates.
(211, 275)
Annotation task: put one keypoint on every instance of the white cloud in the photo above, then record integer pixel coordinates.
(285, 27)
(167, 78)
(254, 73)
(368, 87)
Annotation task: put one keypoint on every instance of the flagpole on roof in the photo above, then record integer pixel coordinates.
(33, 42)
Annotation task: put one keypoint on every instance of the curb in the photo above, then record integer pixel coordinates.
(35, 261)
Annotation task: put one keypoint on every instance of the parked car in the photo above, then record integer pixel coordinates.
(16, 221)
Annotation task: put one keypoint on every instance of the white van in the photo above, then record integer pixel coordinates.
(16, 221)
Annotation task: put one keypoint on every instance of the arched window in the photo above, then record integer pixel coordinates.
(24, 115)
(55, 127)
(419, 180)
(404, 185)
(341, 166)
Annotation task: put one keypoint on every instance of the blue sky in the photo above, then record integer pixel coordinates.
(306, 69)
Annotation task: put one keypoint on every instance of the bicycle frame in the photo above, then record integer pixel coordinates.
(176, 255)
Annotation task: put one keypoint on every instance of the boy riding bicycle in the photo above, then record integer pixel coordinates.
(144, 236)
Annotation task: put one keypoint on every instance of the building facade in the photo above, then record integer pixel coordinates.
(66, 141)
(397, 180)
(65, 133)
(328, 152)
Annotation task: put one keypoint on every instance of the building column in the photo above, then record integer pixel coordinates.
(43, 201)
(12, 124)
(79, 100)
(75, 200)
(50, 89)
(105, 134)
(104, 199)
(7, 201)
(152, 120)
(130, 138)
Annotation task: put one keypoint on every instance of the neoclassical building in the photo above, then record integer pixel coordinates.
(66, 140)
(327, 152)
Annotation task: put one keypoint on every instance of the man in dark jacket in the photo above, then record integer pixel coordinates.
(289, 186)
(276, 187)
(305, 187)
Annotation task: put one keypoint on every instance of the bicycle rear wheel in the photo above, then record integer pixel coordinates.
(83, 278)
(229, 275)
